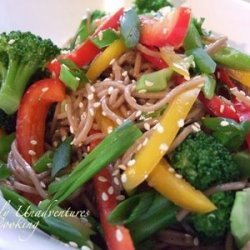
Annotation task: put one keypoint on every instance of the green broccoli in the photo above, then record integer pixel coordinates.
(7, 122)
(213, 226)
(203, 161)
(21, 55)
(146, 6)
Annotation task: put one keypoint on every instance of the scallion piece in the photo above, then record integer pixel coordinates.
(105, 38)
(42, 164)
(68, 78)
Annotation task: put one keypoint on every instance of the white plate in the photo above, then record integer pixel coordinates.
(58, 19)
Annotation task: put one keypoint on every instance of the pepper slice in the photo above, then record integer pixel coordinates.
(160, 140)
(241, 76)
(32, 114)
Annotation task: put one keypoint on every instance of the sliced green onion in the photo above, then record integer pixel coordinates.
(193, 38)
(68, 78)
(43, 163)
(130, 25)
(209, 86)
(105, 38)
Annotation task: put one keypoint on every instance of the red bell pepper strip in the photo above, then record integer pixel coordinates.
(171, 30)
(223, 76)
(87, 51)
(117, 237)
(31, 117)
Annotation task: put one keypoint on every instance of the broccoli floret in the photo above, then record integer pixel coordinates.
(213, 226)
(203, 161)
(7, 122)
(21, 55)
(146, 6)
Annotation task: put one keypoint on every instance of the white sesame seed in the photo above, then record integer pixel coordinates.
(138, 113)
(73, 244)
(116, 181)
(92, 112)
(100, 35)
(71, 130)
(148, 83)
(80, 105)
(31, 152)
(163, 148)
(96, 104)
(45, 89)
(196, 241)
(77, 78)
(178, 176)
(104, 196)
(124, 178)
(55, 143)
(112, 61)
(131, 163)
(104, 113)
(85, 248)
(195, 128)
(139, 147)
(242, 92)
(122, 167)
(125, 73)
(66, 107)
(33, 142)
(120, 197)
(49, 165)
(159, 128)
(145, 142)
(141, 91)
(232, 107)
(181, 123)
(64, 138)
(11, 41)
(171, 170)
(146, 126)
(118, 121)
(115, 172)
(222, 107)
(111, 190)
(118, 235)
(102, 179)
(88, 148)
(165, 30)
(43, 184)
(91, 97)
(110, 90)
(110, 129)
(224, 123)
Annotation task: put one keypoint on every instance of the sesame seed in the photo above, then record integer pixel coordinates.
(43, 184)
(96, 104)
(104, 113)
(145, 142)
(92, 112)
(141, 91)
(224, 123)
(159, 128)
(77, 78)
(104, 196)
(110, 90)
(110, 129)
(181, 123)
(71, 130)
(131, 162)
(66, 107)
(163, 147)
(138, 113)
(197, 125)
(119, 235)
(112, 61)
(55, 143)
(80, 105)
(88, 148)
(31, 152)
(125, 73)
(146, 126)
(90, 96)
(85, 248)
(102, 179)
(222, 107)
(45, 89)
(165, 31)
(148, 83)
(195, 128)
(171, 170)
(139, 147)
(122, 167)
(49, 165)
(196, 241)
(232, 107)
(242, 92)
(118, 121)
(116, 172)
(73, 244)
(111, 190)
(57, 179)
(120, 197)
(11, 41)
(178, 176)
(33, 142)
(116, 181)
(124, 178)
(100, 35)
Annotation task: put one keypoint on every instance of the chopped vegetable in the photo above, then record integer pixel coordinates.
(32, 114)
(68, 78)
(62, 156)
(4, 171)
(105, 39)
(172, 186)
(240, 219)
(228, 132)
(5, 146)
(203, 161)
(160, 140)
(232, 58)
(155, 81)
(145, 6)
(213, 226)
(102, 62)
(44, 162)
(242, 159)
(120, 139)
(21, 55)
(209, 86)
(203, 61)
(241, 76)
(169, 30)
(130, 28)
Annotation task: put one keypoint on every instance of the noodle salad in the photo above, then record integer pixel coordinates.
(142, 121)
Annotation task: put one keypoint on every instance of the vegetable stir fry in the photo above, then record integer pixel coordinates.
(142, 121)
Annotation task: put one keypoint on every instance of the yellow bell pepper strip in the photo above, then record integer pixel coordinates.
(104, 122)
(103, 60)
(240, 76)
(171, 185)
(156, 146)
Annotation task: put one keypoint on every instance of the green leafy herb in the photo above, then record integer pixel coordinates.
(130, 28)
(230, 133)
(4, 171)
(43, 162)
(107, 37)
(61, 158)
